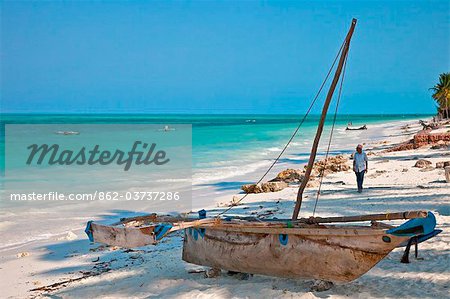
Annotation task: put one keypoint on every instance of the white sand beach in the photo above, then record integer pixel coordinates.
(392, 184)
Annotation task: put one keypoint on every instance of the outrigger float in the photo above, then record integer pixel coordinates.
(336, 249)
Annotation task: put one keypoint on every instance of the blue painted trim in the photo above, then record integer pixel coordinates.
(195, 234)
(202, 232)
(88, 231)
(202, 214)
(161, 229)
(423, 238)
(283, 238)
(415, 227)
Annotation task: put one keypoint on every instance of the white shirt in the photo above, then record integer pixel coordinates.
(360, 161)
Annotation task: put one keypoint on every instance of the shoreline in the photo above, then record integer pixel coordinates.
(292, 160)
(159, 270)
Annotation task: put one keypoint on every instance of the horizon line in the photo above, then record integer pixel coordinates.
(193, 113)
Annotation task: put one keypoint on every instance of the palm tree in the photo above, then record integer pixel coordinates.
(441, 93)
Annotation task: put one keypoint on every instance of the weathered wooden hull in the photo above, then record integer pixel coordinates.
(333, 254)
(301, 249)
(123, 236)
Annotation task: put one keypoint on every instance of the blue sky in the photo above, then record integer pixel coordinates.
(219, 57)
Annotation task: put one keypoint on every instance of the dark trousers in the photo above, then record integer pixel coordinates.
(360, 179)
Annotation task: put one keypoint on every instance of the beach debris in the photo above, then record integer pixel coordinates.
(71, 254)
(428, 125)
(339, 183)
(447, 174)
(197, 271)
(265, 212)
(423, 138)
(332, 164)
(423, 187)
(429, 168)
(98, 248)
(212, 273)
(61, 284)
(405, 127)
(372, 175)
(405, 170)
(239, 275)
(22, 254)
(321, 286)
(264, 187)
(383, 161)
(290, 176)
(252, 188)
(442, 164)
(441, 146)
(312, 184)
(235, 200)
(422, 163)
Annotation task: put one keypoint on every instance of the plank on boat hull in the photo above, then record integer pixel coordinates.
(336, 258)
(122, 236)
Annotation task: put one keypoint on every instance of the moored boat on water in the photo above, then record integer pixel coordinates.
(351, 128)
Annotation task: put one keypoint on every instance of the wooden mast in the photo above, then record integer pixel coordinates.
(312, 157)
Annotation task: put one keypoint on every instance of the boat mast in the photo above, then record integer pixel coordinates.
(312, 157)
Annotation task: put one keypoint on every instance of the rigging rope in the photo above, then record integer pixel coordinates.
(331, 133)
(293, 135)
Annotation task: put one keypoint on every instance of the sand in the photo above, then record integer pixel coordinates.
(392, 184)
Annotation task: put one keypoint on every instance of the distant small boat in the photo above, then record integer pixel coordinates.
(67, 133)
(350, 128)
(250, 120)
(167, 129)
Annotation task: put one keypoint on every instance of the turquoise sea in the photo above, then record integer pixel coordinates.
(218, 141)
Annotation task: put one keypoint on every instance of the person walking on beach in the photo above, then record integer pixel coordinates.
(360, 166)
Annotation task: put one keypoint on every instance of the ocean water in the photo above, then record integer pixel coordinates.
(219, 141)
(224, 146)
(227, 151)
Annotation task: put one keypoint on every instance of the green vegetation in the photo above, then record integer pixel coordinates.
(441, 94)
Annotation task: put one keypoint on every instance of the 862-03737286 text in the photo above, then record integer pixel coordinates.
(98, 195)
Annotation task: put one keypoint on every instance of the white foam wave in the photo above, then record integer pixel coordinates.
(209, 175)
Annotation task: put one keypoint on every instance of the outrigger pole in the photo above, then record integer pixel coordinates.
(312, 157)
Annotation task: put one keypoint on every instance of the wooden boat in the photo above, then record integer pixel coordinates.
(333, 253)
(332, 249)
(305, 248)
(350, 128)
